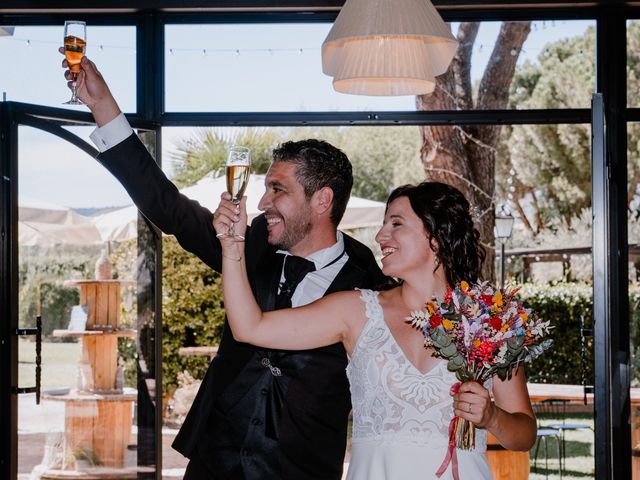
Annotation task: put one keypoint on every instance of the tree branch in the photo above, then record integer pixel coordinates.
(461, 64)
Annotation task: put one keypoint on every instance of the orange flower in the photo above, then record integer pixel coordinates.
(448, 324)
(464, 286)
(497, 299)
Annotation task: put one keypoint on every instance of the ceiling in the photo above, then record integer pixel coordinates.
(94, 6)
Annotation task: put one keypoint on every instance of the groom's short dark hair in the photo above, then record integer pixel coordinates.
(319, 164)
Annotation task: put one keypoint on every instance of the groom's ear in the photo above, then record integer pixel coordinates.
(322, 201)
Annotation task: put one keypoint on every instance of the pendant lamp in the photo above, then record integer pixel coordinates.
(387, 47)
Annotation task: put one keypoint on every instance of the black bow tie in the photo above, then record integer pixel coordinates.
(295, 269)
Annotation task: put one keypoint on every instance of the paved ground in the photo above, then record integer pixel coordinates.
(39, 425)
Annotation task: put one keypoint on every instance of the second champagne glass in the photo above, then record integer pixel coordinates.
(75, 45)
(238, 168)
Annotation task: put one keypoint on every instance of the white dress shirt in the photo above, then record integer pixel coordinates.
(112, 133)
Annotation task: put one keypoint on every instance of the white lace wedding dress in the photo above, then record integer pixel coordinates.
(400, 416)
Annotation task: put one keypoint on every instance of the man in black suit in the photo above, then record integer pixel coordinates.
(259, 414)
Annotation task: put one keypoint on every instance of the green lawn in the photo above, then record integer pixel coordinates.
(579, 462)
(59, 364)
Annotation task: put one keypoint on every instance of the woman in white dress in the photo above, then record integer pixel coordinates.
(402, 397)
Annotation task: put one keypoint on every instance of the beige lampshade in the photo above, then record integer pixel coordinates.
(387, 47)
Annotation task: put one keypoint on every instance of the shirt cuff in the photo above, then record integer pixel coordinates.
(112, 133)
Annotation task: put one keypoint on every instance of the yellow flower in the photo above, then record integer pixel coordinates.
(464, 286)
(476, 343)
(447, 324)
(497, 299)
(430, 308)
(524, 316)
(504, 328)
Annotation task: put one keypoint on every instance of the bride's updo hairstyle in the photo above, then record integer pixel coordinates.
(444, 211)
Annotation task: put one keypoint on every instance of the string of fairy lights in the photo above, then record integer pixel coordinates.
(300, 50)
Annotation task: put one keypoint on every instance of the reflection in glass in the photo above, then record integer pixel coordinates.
(86, 418)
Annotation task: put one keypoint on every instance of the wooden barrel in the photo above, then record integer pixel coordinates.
(506, 464)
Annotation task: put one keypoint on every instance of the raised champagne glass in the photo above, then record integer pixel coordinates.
(237, 170)
(75, 45)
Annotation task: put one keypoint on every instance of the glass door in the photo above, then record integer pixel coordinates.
(79, 279)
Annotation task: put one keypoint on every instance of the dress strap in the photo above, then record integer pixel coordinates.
(373, 310)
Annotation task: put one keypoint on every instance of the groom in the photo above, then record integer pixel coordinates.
(259, 414)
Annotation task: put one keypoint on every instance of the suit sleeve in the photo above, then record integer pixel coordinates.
(160, 201)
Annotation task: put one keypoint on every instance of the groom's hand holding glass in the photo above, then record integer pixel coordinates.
(230, 216)
(92, 90)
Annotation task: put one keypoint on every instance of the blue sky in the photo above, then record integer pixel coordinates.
(217, 68)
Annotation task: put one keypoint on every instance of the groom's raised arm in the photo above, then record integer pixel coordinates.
(124, 155)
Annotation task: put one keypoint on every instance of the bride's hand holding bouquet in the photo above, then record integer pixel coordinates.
(481, 331)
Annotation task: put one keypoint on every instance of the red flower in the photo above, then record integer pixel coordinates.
(448, 295)
(487, 299)
(435, 320)
(496, 323)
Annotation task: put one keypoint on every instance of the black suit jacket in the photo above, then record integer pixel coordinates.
(258, 414)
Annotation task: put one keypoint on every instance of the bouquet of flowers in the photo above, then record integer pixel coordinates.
(482, 331)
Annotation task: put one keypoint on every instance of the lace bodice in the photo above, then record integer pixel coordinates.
(392, 400)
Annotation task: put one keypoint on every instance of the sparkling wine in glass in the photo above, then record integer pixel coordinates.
(237, 170)
(75, 45)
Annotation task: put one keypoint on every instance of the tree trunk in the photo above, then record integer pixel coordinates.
(464, 156)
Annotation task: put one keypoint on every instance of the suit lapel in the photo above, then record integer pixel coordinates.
(348, 277)
(268, 276)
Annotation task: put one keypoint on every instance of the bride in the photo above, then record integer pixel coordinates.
(403, 398)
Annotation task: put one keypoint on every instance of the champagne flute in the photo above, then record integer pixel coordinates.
(75, 44)
(237, 169)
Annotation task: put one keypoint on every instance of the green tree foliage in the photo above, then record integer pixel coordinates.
(382, 157)
(564, 304)
(46, 269)
(206, 152)
(550, 165)
(192, 309)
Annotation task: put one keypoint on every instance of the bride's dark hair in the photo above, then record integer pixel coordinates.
(444, 211)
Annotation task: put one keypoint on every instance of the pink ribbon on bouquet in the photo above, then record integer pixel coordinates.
(451, 457)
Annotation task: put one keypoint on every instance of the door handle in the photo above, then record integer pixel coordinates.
(38, 333)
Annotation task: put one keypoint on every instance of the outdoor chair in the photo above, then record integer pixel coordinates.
(557, 409)
(543, 434)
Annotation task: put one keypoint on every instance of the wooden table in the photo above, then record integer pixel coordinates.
(574, 393)
(209, 351)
